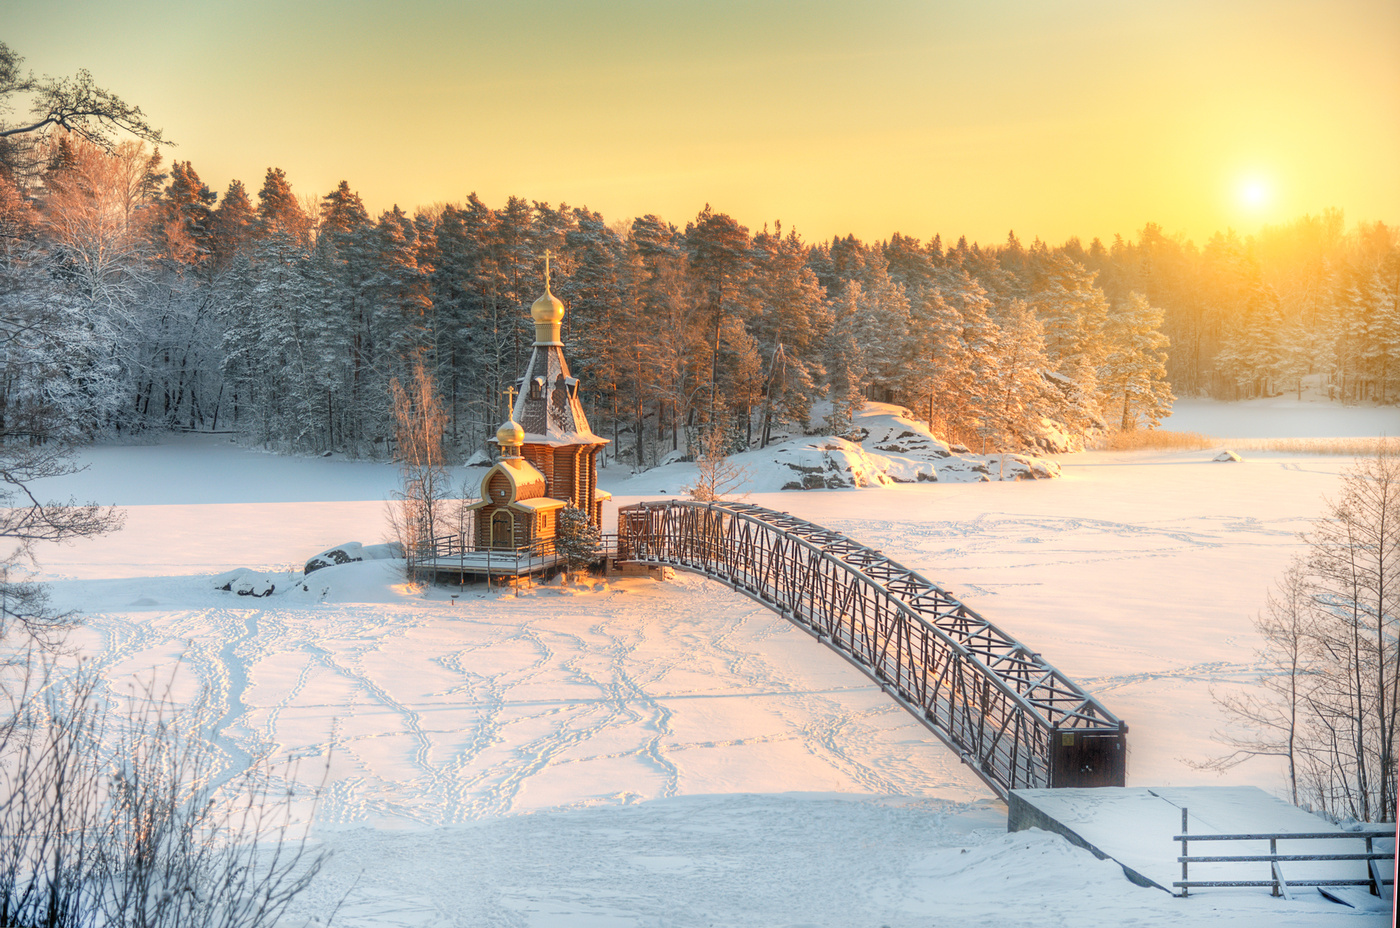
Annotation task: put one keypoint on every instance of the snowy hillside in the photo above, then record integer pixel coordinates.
(648, 754)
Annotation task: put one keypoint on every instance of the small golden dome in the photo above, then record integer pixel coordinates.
(547, 309)
(510, 433)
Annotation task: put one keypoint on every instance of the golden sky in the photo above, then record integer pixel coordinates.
(1050, 117)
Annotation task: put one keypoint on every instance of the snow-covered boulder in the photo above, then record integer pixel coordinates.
(1227, 457)
(897, 449)
(889, 429)
(828, 463)
(340, 554)
(246, 582)
(479, 458)
(1056, 438)
(353, 551)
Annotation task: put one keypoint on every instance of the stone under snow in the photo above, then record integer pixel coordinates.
(889, 448)
(353, 551)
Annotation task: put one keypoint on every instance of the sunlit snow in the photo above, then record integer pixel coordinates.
(646, 753)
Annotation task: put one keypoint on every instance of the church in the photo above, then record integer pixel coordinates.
(548, 453)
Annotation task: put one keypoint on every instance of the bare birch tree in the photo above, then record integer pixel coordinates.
(1331, 656)
(419, 423)
(1354, 560)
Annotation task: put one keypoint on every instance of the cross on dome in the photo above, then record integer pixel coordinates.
(510, 436)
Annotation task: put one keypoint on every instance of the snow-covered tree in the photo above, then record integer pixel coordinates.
(877, 311)
(1020, 397)
(578, 540)
(1073, 311)
(846, 378)
(790, 322)
(1133, 375)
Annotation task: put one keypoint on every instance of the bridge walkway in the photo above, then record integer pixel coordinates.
(1010, 715)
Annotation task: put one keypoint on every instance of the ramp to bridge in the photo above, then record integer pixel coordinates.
(1135, 827)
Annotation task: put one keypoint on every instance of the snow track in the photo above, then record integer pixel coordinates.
(435, 713)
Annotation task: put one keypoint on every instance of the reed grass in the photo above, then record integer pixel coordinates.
(1155, 440)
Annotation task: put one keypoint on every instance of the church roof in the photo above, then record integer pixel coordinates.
(525, 480)
(548, 407)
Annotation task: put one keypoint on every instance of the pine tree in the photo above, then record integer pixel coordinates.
(278, 209)
(847, 381)
(791, 322)
(1073, 311)
(184, 220)
(879, 319)
(670, 347)
(231, 225)
(578, 540)
(718, 248)
(909, 265)
(1133, 376)
(1021, 397)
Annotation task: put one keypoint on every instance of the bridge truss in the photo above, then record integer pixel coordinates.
(1015, 720)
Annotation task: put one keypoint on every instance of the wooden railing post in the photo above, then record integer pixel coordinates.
(1185, 890)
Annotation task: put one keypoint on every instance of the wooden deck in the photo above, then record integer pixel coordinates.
(467, 566)
(451, 561)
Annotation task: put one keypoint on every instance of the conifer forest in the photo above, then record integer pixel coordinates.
(134, 298)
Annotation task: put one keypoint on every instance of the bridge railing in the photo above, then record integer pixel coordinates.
(1015, 719)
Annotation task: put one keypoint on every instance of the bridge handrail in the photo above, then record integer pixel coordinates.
(1011, 716)
(801, 531)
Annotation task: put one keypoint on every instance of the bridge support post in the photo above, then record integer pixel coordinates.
(1080, 758)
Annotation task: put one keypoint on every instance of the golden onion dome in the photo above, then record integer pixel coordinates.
(510, 434)
(548, 313)
(547, 309)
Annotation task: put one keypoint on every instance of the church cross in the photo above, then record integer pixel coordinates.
(546, 270)
(510, 410)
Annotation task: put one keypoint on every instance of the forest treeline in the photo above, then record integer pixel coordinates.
(134, 298)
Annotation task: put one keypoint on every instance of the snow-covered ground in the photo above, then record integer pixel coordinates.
(649, 754)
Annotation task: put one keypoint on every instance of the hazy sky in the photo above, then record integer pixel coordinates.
(1050, 117)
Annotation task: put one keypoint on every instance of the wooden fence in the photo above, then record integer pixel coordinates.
(1274, 875)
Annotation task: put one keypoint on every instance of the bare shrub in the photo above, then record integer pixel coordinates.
(118, 819)
(717, 477)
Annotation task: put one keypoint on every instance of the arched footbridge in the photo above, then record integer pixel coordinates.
(1013, 718)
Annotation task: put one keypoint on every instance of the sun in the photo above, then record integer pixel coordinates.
(1254, 193)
